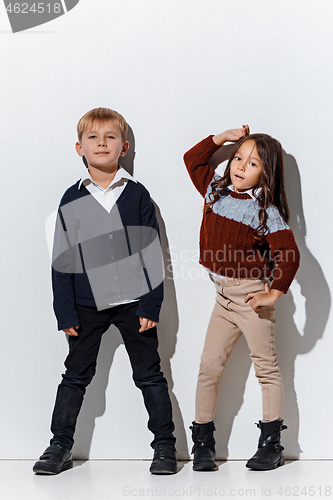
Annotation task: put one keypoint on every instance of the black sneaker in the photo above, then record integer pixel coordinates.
(165, 459)
(55, 459)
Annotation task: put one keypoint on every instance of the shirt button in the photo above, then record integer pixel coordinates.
(115, 277)
(110, 236)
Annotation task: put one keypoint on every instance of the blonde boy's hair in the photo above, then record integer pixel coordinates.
(101, 115)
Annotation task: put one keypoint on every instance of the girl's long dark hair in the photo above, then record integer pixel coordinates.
(272, 190)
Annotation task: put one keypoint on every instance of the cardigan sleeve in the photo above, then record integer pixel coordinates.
(150, 303)
(65, 262)
(196, 161)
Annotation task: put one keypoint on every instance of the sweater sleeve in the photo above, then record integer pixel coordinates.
(286, 256)
(284, 250)
(196, 161)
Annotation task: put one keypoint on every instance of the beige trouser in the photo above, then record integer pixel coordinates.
(230, 318)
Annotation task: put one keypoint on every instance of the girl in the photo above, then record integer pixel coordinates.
(252, 258)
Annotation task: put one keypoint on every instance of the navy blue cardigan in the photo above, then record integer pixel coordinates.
(135, 208)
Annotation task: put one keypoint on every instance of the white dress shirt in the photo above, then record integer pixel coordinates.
(107, 197)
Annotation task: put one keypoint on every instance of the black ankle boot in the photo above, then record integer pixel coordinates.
(204, 446)
(269, 454)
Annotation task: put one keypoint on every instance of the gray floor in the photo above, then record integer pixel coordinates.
(117, 479)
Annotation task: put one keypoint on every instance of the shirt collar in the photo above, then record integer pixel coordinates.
(120, 174)
(249, 192)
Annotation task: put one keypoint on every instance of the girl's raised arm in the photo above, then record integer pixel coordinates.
(197, 158)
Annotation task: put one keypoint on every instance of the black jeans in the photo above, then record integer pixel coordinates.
(81, 366)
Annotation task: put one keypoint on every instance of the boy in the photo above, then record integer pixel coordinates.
(107, 269)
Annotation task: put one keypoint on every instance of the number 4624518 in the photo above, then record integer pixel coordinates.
(35, 8)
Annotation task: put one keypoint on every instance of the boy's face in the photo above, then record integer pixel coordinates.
(102, 145)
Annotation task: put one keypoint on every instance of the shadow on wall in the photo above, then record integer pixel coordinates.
(94, 404)
(290, 341)
(167, 334)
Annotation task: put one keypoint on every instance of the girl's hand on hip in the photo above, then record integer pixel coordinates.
(258, 300)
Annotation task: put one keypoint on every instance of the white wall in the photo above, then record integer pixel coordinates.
(178, 70)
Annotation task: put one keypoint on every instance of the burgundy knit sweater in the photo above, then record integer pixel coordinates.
(227, 243)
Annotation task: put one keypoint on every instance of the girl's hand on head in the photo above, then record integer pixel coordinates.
(246, 130)
(258, 300)
(232, 135)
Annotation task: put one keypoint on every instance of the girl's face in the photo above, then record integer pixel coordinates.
(246, 167)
